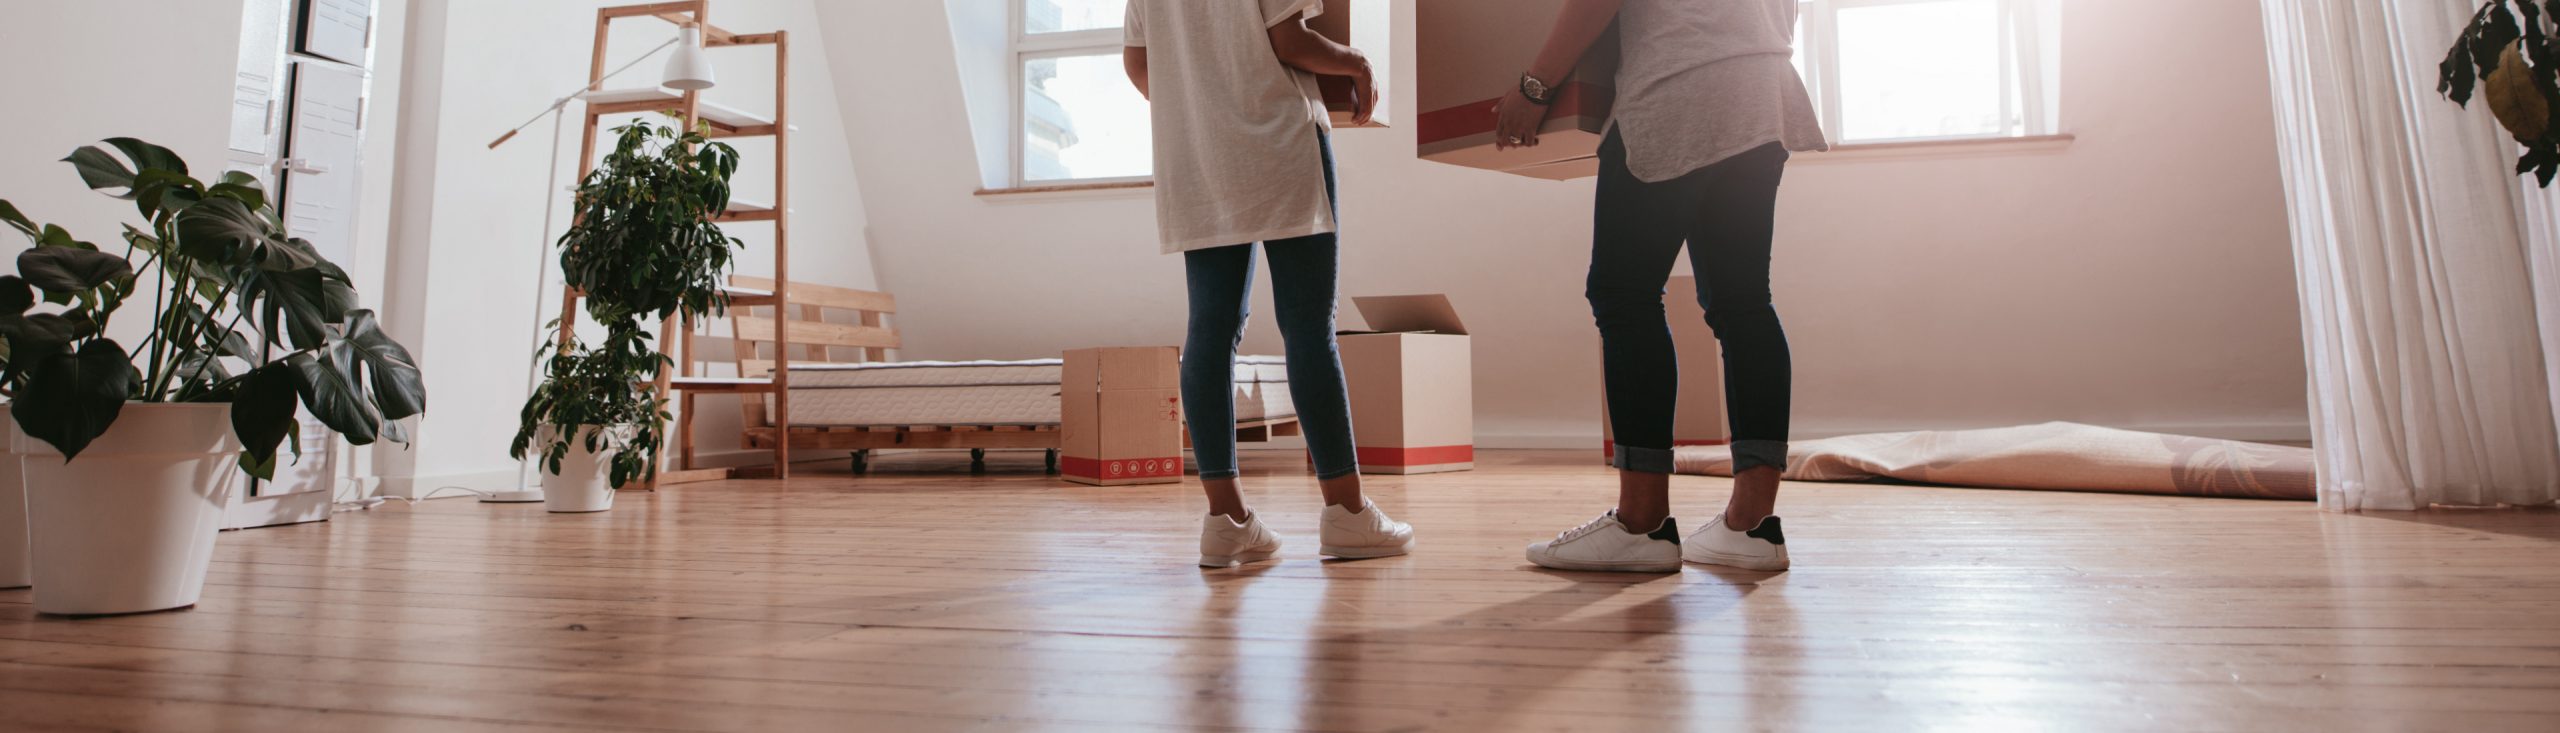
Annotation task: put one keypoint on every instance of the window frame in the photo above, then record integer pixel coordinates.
(1025, 47)
(2024, 94)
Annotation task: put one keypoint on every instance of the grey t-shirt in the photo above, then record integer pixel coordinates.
(1235, 130)
(1704, 80)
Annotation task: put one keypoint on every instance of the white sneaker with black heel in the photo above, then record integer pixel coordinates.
(1604, 544)
(1226, 543)
(1364, 534)
(1762, 548)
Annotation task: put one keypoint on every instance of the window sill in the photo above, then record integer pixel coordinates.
(1959, 147)
(1103, 189)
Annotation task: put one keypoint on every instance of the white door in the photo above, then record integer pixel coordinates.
(322, 152)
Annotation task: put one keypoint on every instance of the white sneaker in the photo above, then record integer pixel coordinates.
(1370, 533)
(1763, 548)
(1604, 544)
(1226, 544)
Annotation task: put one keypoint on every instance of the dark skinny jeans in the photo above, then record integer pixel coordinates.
(1725, 213)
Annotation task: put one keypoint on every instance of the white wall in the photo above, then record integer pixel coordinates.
(2138, 277)
(470, 228)
(86, 71)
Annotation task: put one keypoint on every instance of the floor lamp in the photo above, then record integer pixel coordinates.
(688, 70)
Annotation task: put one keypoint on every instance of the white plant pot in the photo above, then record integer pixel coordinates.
(584, 483)
(129, 526)
(16, 570)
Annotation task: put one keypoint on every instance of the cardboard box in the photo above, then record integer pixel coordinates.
(1411, 379)
(1698, 417)
(1471, 52)
(1120, 416)
(1364, 25)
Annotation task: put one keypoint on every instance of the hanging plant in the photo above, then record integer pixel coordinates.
(646, 245)
(2509, 55)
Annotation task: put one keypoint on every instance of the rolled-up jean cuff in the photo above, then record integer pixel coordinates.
(1750, 454)
(1215, 475)
(1337, 473)
(1641, 460)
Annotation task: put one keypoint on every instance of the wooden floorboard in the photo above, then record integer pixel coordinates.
(922, 597)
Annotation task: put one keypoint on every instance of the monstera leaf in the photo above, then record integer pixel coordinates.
(73, 396)
(71, 269)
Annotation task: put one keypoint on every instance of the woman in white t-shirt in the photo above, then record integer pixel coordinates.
(1242, 157)
(1708, 104)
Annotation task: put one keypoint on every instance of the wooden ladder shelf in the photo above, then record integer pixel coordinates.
(723, 122)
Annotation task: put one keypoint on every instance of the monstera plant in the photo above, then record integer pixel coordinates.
(2509, 54)
(240, 313)
(646, 245)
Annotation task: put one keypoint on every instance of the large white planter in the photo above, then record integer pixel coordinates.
(15, 570)
(129, 526)
(584, 483)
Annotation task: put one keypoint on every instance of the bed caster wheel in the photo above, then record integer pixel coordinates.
(1053, 461)
(861, 462)
(977, 460)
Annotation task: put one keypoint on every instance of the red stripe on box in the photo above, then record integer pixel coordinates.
(1476, 118)
(1427, 456)
(1120, 468)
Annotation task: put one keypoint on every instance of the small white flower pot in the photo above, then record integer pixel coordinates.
(16, 568)
(584, 483)
(129, 526)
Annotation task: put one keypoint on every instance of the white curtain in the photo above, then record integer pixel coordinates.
(2419, 256)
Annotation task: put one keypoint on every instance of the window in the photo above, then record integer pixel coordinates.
(1076, 117)
(1901, 70)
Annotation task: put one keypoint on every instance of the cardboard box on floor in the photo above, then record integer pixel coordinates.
(1120, 416)
(1411, 379)
(1364, 25)
(1471, 52)
(1698, 416)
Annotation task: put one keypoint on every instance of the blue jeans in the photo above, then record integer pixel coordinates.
(1303, 291)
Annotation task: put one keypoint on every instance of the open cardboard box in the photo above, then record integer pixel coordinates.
(1698, 416)
(1411, 379)
(1471, 52)
(1120, 416)
(1364, 25)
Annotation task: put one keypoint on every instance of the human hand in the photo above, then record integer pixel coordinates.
(1516, 121)
(1364, 97)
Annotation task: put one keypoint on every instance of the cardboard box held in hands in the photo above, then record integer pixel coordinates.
(1120, 415)
(1471, 52)
(1411, 379)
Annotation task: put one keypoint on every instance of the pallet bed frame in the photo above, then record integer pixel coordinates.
(841, 326)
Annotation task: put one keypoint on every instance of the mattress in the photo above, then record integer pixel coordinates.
(981, 392)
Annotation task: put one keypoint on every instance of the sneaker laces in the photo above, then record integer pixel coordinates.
(1594, 525)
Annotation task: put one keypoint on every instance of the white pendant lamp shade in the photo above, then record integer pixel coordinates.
(689, 69)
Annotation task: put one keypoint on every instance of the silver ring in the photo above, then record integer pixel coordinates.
(1515, 140)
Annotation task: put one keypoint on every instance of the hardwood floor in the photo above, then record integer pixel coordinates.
(921, 598)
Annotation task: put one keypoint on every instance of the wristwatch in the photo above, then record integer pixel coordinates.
(1536, 91)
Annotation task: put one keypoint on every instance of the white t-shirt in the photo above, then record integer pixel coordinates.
(1235, 130)
(1705, 80)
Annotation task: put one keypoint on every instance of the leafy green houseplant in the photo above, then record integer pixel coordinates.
(644, 245)
(241, 313)
(2510, 55)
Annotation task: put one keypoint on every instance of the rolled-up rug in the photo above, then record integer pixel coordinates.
(2056, 455)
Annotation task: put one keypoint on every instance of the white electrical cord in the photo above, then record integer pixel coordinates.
(368, 503)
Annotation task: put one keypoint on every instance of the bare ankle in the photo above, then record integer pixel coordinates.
(1644, 523)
